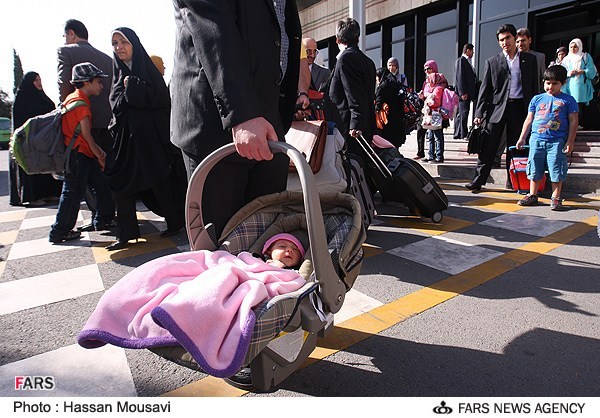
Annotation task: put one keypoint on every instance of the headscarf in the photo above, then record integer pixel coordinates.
(436, 79)
(140, 124)
(382, 73)
(560, 49)
(573, 60)
(431, 64)
(394, 61)
(158, 62)
(29, 101)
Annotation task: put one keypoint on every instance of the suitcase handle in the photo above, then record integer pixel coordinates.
(385, 172)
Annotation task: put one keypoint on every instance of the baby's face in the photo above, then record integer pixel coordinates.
(286, 252)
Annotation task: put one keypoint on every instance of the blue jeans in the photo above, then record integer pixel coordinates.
(83, 171)
(436, 144)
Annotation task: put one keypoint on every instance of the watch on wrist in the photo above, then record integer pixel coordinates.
(302, 93)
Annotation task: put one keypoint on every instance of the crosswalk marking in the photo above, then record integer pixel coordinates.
(77, 372)
(18, 295)
(43, 246)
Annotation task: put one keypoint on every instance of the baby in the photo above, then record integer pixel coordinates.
(283, 250)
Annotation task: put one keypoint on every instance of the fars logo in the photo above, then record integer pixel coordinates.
(34, 383)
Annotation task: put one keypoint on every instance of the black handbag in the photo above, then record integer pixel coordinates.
(476, 138)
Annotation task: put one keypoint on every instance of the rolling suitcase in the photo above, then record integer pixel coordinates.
(517, 172)
(358, 186)
(406, 181)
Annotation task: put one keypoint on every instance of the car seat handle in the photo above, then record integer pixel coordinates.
(331, 289)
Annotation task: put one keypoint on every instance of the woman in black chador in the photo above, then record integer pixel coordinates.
(145, 164)
(35, 189)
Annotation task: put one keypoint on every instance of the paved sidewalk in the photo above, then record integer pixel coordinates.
(496, 300)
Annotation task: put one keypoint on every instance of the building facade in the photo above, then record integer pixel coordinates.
(415, 31)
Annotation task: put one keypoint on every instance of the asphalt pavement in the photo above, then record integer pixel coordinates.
(496, 300)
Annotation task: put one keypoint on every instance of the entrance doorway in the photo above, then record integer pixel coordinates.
(557, 27)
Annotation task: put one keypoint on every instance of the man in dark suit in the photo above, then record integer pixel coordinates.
(319, 75)
(465, 83)
(235, 79)
(509, 82)
(352, 87)
(76, 50)
(524, 45)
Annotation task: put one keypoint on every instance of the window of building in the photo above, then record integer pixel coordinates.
(441, 38)
(493, 8)
(373, 47)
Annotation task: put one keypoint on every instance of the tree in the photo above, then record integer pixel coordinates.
(17, 71)
(5, 104)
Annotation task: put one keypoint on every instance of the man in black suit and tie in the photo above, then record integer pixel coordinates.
(509, 82)
(235, 80)
(465, 83)
(352, 87)
(319, 75)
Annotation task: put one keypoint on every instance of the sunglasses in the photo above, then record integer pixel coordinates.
(427, 68)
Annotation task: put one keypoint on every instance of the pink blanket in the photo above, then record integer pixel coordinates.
(201, 300)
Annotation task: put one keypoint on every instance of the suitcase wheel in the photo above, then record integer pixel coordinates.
(437, 217)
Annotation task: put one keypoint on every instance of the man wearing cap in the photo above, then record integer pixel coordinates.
(86, 160)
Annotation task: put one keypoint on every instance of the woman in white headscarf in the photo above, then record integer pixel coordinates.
(580, 72)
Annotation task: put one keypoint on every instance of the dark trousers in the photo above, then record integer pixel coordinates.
(84, 171)
(421, 142)
(462, 118)
(513, 118)
(126, 210)
(104, 140)
(235, 181)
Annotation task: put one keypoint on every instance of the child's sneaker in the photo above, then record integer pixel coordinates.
(556, 204)
(528, 200)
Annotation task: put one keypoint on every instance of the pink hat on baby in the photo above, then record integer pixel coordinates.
(287, 237)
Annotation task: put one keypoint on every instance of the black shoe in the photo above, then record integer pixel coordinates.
(441, 160)
(102, 227)
(119, 245)
(86, 228)
(473, 187)
(508, 185)
(71, 235)
(242, 379)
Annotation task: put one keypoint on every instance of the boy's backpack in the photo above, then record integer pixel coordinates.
(412, 107)
(39, 145)
(449, 104)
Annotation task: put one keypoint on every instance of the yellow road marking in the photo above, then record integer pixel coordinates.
(8, 237)
(448, 224)
(371, 250)
(17, 215)
(361, 327)
(503, 205)
(147, 244)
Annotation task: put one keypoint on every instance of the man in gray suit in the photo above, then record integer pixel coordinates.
(76, 50)
(319, 75)
(510, 80)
